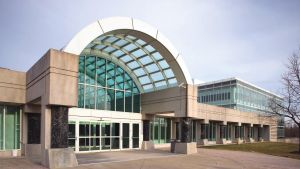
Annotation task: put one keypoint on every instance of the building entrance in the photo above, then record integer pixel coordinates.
(160, 130)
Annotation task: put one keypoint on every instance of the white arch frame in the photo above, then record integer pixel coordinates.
(138, 28)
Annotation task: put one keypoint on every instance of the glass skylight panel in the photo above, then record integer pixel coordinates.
(118, 53)
(148, 87)
(109, 49)
(172, 81)
(169, 73)
(157, 56)
(152, 68)
(139, 72)
(145, 60)
(126, 58)
(138, 53)
(121, 42)
(90, 45)
(101, 38)
(144, 80)
(149, 48)
(131, 37)
(133, 65)
(99, 47)
(161, 84)
(157, 76)
(111, 39)
(141, 42)
(163, 64)
(130, 47)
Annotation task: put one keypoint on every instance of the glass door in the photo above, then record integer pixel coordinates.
(105, 136)
(125, 135)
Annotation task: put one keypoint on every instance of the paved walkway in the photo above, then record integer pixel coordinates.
(121, 156)
(206, 158)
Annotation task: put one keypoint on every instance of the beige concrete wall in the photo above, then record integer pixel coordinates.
(12, 86)
(53, 77)
(171, 100)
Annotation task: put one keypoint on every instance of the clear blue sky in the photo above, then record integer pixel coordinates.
(218, 39)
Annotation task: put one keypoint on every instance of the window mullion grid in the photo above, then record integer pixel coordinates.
(154, 61)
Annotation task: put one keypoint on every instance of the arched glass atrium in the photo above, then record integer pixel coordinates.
(143, 62)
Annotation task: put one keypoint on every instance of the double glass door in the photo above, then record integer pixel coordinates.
(103, 136)
(160, 130)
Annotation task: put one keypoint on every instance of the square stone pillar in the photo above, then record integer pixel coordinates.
(54, 138)
(185, 146)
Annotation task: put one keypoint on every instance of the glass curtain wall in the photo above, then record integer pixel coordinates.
(9, 127)
(104, 85)
(160, 130)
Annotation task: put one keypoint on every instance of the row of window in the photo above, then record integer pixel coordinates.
(214, 97)
(92, 97)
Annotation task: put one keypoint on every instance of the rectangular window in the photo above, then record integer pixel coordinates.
(101, 72)
(81, 70)
(12, 127)
(80, 96)
(110, 73)
(110, 99)
(136, 103)
(101, 98)
(119, 101)
(90, 97)
(90, 70)
(128, 101)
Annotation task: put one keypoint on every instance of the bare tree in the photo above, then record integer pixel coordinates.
(289, 106)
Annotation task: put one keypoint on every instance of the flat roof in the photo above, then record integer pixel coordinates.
(239, 80)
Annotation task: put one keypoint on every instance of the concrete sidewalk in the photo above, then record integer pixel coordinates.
(205, 158)
(121, 156)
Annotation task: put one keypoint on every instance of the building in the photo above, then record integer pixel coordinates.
(118, 84)
(238, 94)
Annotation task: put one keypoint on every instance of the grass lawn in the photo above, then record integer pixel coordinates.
(277, 149)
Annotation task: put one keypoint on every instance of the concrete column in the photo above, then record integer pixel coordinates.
(238, 134)
(121, 136)
(147, 144)
(45, 133)
(77, 136)
(24, 138)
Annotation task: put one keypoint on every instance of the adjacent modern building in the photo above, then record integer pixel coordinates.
(240, 95)
(118, 84)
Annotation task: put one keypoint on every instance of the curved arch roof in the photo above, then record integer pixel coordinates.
(138, 48)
